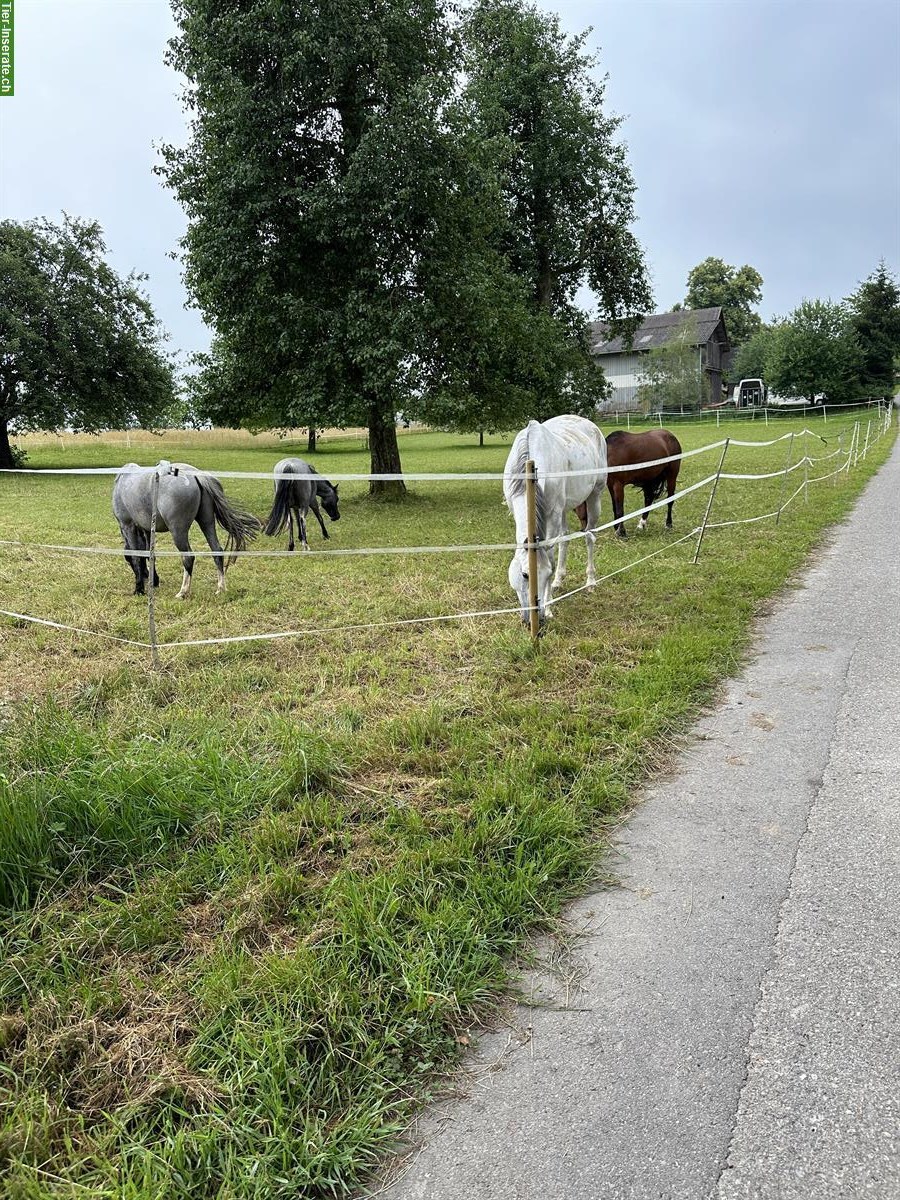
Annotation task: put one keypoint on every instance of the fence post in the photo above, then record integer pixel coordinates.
(709, 503)
(868, 433)
(784, 477)
(151, 575)
(858, 434)
(825, 413)
(852, 446)
(806, 479)
(531, 519)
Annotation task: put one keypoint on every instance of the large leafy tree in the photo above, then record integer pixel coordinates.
(737, 289)
(875, 313)
(815, 351)
(335, 220)
(565, 186)
(80, 346)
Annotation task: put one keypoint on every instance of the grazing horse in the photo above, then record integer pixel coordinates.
(565, 443)
(299, 496)
(185, 495)
(627, 449)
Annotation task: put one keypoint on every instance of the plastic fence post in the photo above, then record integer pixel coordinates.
(151, 563)
(784, 478)
(531, 518)
(709, 503)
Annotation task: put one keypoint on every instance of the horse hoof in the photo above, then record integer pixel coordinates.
(592, 581)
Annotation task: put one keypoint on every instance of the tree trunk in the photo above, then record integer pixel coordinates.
(385, 454)
(6, 458)
(480, 437)
(311, 440)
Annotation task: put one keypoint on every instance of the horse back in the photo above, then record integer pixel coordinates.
(626, 449)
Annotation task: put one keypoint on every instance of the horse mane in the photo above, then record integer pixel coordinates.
(515, 487)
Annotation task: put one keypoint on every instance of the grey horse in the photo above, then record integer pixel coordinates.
(185, 495)
(299, 496)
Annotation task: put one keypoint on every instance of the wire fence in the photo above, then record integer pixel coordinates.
(728, 411)
(856, 451)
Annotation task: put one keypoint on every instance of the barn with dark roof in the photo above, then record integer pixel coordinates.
(622, 363)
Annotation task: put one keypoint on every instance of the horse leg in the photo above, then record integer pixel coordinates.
(314, 506)
(301, 524)
(290, 529)
(144, 544)
(648, 499)
(671, 481)
(592, 507)
(617, 491)
(208, 528)
(180, 538)
(132, 536)
(562, 549)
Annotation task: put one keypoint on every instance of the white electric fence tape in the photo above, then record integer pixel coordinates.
(319, 630)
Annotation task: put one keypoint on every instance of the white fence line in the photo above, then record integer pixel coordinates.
(399, 622)
(403, 476)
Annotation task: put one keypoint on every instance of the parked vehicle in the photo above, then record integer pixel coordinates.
(749, 393)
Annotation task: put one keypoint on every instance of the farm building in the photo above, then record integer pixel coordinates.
(623, 365)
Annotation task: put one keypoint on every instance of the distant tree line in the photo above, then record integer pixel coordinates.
(844, 351)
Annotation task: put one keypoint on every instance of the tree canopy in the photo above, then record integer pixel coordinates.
(354, 186)
(875, 313)
(814, 351)
(80, 347)
(713, 283)
(750, 359)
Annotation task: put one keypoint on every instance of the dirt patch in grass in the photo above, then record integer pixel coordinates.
(129, 1053)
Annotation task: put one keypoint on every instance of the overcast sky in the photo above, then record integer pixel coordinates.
(759, 132)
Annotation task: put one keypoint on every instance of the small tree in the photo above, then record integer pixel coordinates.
(875, 313)
(672, 375)
(80, 347)
(815, 351)
(751, 359)
(713, 283)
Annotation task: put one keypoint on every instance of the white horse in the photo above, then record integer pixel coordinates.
(566, 443)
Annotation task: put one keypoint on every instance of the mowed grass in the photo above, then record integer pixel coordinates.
(251, 903)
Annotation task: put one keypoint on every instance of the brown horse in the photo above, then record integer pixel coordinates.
(627, 449)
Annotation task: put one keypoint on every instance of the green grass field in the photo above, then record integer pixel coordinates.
(251, 903)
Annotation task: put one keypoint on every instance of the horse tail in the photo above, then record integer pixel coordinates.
(654, 488)
(240, 525)
(281, 507)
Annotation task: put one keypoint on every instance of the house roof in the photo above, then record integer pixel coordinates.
(656, 330)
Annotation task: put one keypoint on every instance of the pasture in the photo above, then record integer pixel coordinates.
(252, 903)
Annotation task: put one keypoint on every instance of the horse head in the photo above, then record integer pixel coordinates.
(329, 498)
(519, 582)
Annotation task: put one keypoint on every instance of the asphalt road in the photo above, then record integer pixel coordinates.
(735, 1030)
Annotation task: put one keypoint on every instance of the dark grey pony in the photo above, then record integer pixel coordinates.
(299, 496)
(185, 495)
